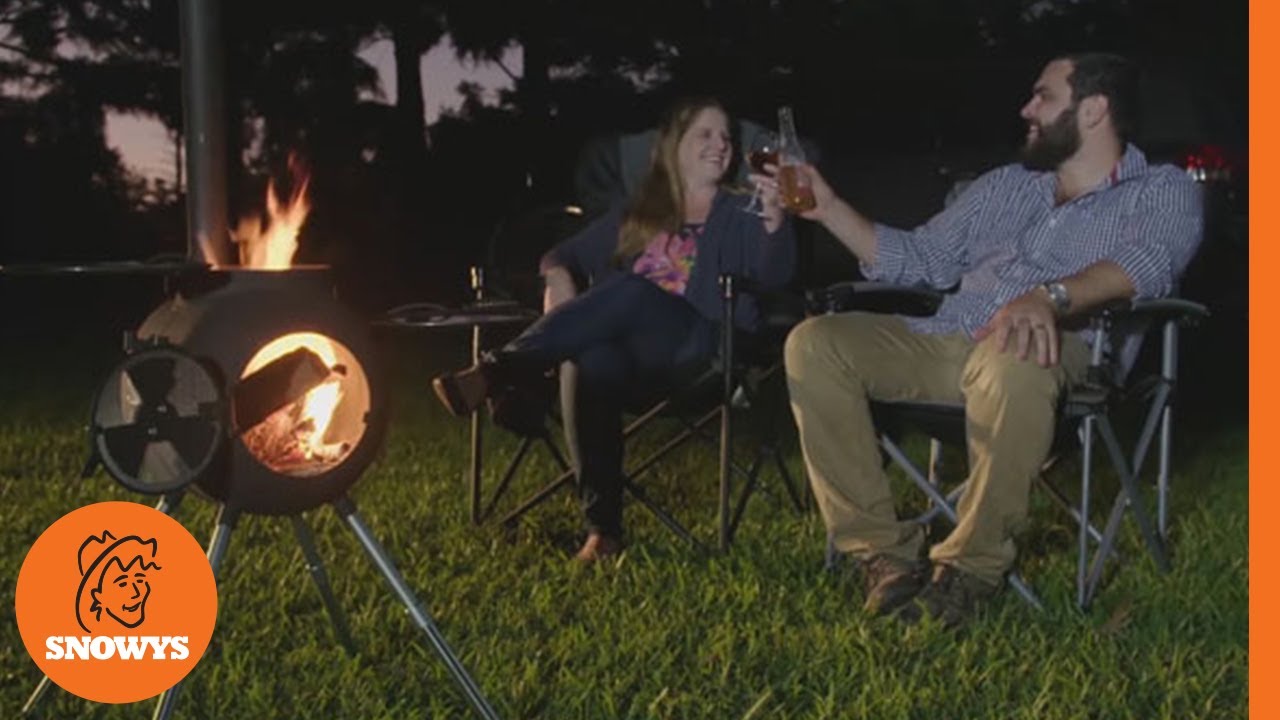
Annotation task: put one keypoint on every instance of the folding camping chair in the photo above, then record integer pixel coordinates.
(744, 379)
(1085, 414)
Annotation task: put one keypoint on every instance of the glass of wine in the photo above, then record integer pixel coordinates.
(762, 149)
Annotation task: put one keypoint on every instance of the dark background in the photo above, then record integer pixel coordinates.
(901, 98)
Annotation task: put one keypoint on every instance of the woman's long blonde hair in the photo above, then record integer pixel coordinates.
(659, 204)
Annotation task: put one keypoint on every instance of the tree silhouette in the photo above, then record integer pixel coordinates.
(902, 84)
(64, 64)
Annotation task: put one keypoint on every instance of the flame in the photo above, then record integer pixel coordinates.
(318, 407)
(295, 435)
(269, 242)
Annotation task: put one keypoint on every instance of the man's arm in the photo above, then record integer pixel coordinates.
(1030, 320)
(850, 227)
(1161, 238)
(1094, 286)
(934, 254)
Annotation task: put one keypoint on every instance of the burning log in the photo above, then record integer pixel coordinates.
(281, 382)
(290, 440)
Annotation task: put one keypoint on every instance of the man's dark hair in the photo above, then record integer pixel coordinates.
(1115, 78)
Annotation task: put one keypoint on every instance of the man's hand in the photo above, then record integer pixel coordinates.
(1030, 322)
(825, 198)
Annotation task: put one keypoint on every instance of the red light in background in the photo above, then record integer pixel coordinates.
(1206, 163)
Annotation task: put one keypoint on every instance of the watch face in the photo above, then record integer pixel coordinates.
(1058, 294)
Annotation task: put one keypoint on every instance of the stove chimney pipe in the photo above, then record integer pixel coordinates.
(204, 118)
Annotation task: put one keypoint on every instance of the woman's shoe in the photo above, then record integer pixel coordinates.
(464, 391)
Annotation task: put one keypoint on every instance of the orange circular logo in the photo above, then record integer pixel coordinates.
(116, 602)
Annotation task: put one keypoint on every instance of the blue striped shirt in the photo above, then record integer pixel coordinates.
(1005, 235)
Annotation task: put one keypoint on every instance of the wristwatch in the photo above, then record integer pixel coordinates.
(1057, 293)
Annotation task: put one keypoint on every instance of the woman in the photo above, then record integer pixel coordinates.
(652, 307)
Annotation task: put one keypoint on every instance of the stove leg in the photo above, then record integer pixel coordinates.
(227, 516)
(169, 502)
(347, 510)
(36, 694)
(316, 565)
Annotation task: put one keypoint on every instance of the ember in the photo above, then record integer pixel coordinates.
(290, 440)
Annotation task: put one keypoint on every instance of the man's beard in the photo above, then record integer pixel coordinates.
(1055, 142)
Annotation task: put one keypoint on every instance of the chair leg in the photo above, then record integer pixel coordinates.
(1162, 479)
(1128, 479)
(1169, 375)
(1127, 498)
(663, 516)
(1055, 494)
(935, 461)
(507, 476)
(563, 480)
(935, 509)
(1021, 587)
(1086, 487)
(748, 488)
(727, 516)
(789, 482)
(948, 509)
(726, 457)
(1158, 417)
(1149, 427)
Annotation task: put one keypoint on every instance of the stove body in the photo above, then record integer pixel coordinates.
(237, 321)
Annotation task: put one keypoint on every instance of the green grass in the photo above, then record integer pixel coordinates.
(663, 632)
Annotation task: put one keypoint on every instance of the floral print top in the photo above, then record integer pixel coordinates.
(667, 261)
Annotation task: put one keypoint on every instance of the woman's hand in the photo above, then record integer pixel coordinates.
(771, 202)
(559, 287)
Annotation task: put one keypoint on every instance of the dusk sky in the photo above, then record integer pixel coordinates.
(147, 148)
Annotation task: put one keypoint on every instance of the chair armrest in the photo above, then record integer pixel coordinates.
(744, 284)
(1163, 309)
(1157, 310)
(779, 308)
(871, 296)
(1120, 327)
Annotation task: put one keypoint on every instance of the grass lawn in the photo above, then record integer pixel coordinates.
(663, 632)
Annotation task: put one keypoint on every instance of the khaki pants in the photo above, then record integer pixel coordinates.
(836, 363)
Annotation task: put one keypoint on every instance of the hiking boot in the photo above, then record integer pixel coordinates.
(952, 597)
(598, 547)
(890, 582)
(462, 392)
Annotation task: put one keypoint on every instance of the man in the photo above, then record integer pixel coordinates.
(1080, 221)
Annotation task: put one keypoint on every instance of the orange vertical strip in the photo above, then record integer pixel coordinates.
(1264, 490)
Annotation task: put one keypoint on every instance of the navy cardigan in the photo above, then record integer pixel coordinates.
(732, 241)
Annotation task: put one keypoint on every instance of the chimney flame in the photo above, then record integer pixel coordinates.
(269, 242)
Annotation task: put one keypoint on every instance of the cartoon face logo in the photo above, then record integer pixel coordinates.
(99, 615)
(116, 578)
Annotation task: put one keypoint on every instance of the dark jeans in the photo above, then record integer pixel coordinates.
(627, 337)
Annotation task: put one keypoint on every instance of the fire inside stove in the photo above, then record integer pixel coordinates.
(325, 396)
